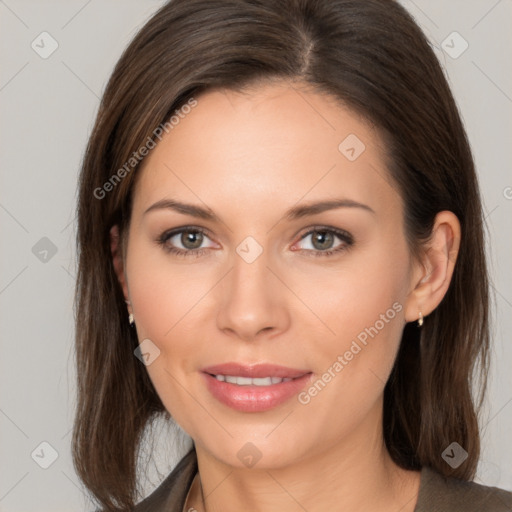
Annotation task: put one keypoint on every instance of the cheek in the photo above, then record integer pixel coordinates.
(162, 293)
(165, 301)
(363, 306)
(369, 289)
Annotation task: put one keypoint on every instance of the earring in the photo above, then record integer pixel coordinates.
(420, 320)
(131, 321)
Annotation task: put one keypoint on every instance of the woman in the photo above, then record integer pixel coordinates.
(281, 248)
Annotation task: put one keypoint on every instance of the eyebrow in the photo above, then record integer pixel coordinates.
(293, 213)
(321, 206)
(184, 208)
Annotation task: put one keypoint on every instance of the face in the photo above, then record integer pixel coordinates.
(266, 233)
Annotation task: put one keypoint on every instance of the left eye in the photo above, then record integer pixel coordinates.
(324, 240)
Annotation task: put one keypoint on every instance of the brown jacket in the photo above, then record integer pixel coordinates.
(437, 494)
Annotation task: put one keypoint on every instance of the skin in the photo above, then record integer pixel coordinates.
(249, 157)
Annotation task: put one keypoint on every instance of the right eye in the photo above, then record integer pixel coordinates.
(185, 241)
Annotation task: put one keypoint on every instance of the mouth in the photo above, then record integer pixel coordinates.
(247, 381)
(254, 388)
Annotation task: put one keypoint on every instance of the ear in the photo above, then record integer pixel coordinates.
(118, 260)
(431, 276)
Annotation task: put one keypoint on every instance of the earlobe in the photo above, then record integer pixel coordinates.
(117, 258)
(433, 275)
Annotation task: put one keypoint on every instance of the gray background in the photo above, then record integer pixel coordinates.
(47, 109)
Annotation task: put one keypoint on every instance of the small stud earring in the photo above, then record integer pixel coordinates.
(131, 321)
(420, 320)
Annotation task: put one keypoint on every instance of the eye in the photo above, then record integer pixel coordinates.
(323, 241)
(185, 241)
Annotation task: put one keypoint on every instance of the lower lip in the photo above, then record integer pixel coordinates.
(255, 398)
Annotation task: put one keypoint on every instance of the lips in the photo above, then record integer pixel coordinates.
(254, 388)
(255, 371)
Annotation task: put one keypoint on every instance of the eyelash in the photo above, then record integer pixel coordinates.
(344, 236)
(166, 235)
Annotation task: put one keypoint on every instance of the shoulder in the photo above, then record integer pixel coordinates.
(443, 494)
(170, 495)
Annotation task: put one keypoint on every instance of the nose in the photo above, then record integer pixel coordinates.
(252, 302)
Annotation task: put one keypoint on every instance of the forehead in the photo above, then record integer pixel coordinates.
(278, 140)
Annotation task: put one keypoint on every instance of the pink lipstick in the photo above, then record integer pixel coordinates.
(254, 388)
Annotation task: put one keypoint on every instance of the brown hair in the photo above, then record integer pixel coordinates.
(373, 58)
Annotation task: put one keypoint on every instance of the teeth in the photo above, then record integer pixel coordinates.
(247, 381)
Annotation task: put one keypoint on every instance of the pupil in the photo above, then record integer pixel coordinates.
(322, 239)
(191, 239)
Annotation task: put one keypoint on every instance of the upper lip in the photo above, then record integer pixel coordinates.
(255, 370)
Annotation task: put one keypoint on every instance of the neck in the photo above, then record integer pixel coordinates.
(356, 472)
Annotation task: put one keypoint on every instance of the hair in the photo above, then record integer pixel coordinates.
(373, 58)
